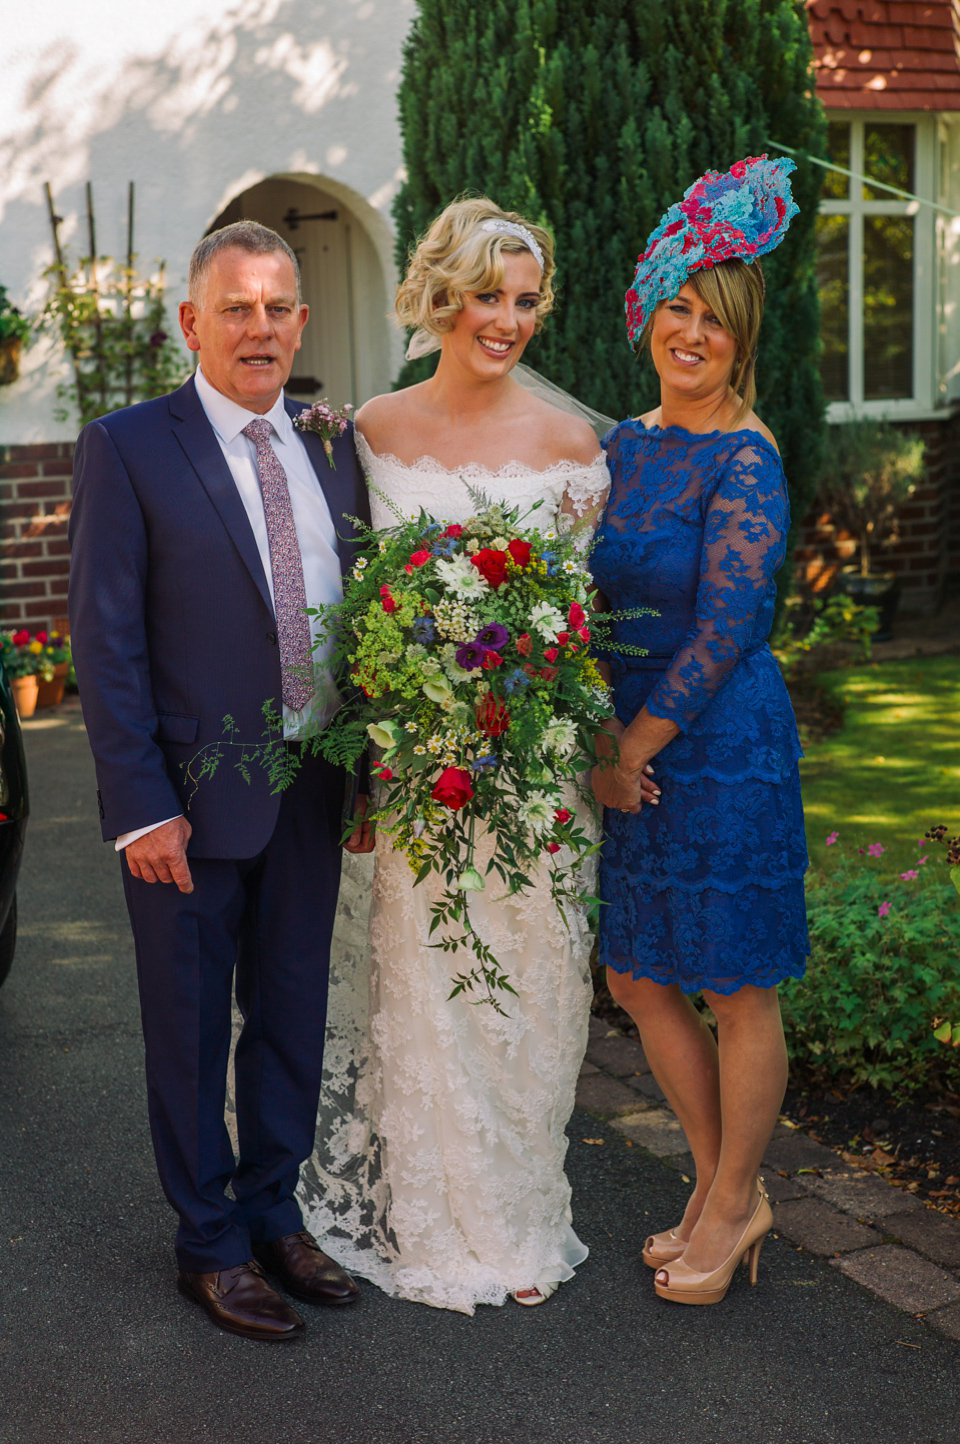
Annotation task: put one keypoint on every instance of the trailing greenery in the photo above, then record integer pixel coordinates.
(591, 120)
(885, 960)
(113, 327)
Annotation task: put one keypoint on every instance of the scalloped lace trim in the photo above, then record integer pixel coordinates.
(430, 466)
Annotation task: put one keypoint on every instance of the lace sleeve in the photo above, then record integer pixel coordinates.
(584, 497)
(744, 544)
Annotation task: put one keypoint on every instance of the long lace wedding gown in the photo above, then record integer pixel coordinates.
(438, 1173)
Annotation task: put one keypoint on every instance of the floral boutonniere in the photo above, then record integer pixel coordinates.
(326, 422)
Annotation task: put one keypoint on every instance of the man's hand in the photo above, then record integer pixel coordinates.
(161, 855)
(364, 837)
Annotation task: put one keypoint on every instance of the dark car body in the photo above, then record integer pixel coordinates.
(14, 810)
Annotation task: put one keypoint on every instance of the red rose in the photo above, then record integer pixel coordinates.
(576, 615)
(553, 847)
(454, 529)
(574, 647)
(530, 671)
(492, 565)
(562, 815)
(491, 660)
(492, 716)
(584, 634)
(524, 645)
(548, 673)
(419, 559)
(40, 637)
(563, 638)
(384, 773)
(520, 551)
(386, 600)
(551, 654)
(453, 788)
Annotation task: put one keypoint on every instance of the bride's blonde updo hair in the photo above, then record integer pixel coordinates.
(456, 258)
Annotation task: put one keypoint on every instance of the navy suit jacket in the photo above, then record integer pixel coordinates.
(171, 620)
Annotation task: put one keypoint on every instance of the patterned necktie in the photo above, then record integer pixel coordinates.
(289, 594)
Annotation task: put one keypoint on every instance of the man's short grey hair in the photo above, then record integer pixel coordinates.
(248, 236)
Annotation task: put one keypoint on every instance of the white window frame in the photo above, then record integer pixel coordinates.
(922, 404)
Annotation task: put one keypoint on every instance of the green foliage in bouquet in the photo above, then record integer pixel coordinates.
(592, 120)
(885, 959)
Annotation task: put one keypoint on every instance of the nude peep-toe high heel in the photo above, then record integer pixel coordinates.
(662, 1248)
(684, 1285)
(666, 1248)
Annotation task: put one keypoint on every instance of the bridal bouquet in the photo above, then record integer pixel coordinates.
(469, 649)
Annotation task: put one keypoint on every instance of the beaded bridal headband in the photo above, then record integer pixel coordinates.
(423, 342)
(742, 214)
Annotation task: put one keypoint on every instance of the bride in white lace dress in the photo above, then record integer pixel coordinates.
(439, 1170)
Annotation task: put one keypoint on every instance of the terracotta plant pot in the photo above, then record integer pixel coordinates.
(10, 360)
(24, 691)
(50, 694)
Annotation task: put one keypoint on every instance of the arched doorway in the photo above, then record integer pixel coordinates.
(346, 348)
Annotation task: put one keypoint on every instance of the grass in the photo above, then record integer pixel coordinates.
(893, 769)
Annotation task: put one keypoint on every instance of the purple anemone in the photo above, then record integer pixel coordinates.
(470, 655)
(493, 636)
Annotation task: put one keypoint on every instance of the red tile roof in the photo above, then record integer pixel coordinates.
(883, 55)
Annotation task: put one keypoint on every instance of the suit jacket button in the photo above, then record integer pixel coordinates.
(272, 638)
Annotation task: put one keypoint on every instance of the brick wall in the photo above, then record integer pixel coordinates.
(927, 557)
(35, 493)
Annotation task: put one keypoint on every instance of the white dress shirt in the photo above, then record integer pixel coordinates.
(311, 515)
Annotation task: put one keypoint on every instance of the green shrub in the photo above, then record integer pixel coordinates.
(885, 959)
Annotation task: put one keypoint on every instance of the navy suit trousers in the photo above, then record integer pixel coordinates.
(268, 920)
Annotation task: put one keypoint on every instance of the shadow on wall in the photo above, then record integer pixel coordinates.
(206, 111)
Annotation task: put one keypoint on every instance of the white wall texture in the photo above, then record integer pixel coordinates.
(195, 101)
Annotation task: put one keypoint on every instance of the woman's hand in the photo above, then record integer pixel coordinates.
(619, 783)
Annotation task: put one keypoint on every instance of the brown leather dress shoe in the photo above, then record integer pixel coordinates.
(241, 1301)
(305, 1271)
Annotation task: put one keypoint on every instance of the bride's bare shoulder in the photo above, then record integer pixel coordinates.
(379, 418)
(560, 435)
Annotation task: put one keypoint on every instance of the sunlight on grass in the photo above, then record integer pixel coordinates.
(894, 767)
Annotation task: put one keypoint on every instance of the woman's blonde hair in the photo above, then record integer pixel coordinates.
(456, 258)
(734, 292)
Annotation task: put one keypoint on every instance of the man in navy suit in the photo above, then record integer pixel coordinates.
(203, 523)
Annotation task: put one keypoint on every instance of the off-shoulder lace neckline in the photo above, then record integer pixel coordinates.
(509, 468)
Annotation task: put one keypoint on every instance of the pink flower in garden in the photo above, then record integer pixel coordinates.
(876, 849)
(910, 876)
(832, 838)
(921, 862)
(883, 909)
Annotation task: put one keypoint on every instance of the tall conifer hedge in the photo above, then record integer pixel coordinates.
(592, 119)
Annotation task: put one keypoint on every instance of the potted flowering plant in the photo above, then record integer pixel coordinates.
(871, 468)
(24, 663)
(14, 330)
(52, 667)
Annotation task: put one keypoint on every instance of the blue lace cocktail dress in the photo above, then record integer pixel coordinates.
(706, 889)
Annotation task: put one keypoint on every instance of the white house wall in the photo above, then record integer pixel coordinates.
(195, 101)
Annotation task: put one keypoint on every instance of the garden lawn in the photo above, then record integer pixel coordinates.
(893, 769)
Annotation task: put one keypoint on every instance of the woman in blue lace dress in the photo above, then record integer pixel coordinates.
(704, 891)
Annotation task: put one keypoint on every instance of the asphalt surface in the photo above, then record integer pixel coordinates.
(96, 1347)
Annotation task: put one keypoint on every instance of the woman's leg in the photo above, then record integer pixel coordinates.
(753, 1079)
(683, 1055)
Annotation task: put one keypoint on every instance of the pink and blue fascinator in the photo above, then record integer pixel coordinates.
(742, 214)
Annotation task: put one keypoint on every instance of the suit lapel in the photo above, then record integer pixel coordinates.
(202, 449)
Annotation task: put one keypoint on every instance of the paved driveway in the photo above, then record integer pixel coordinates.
(97, 1348)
